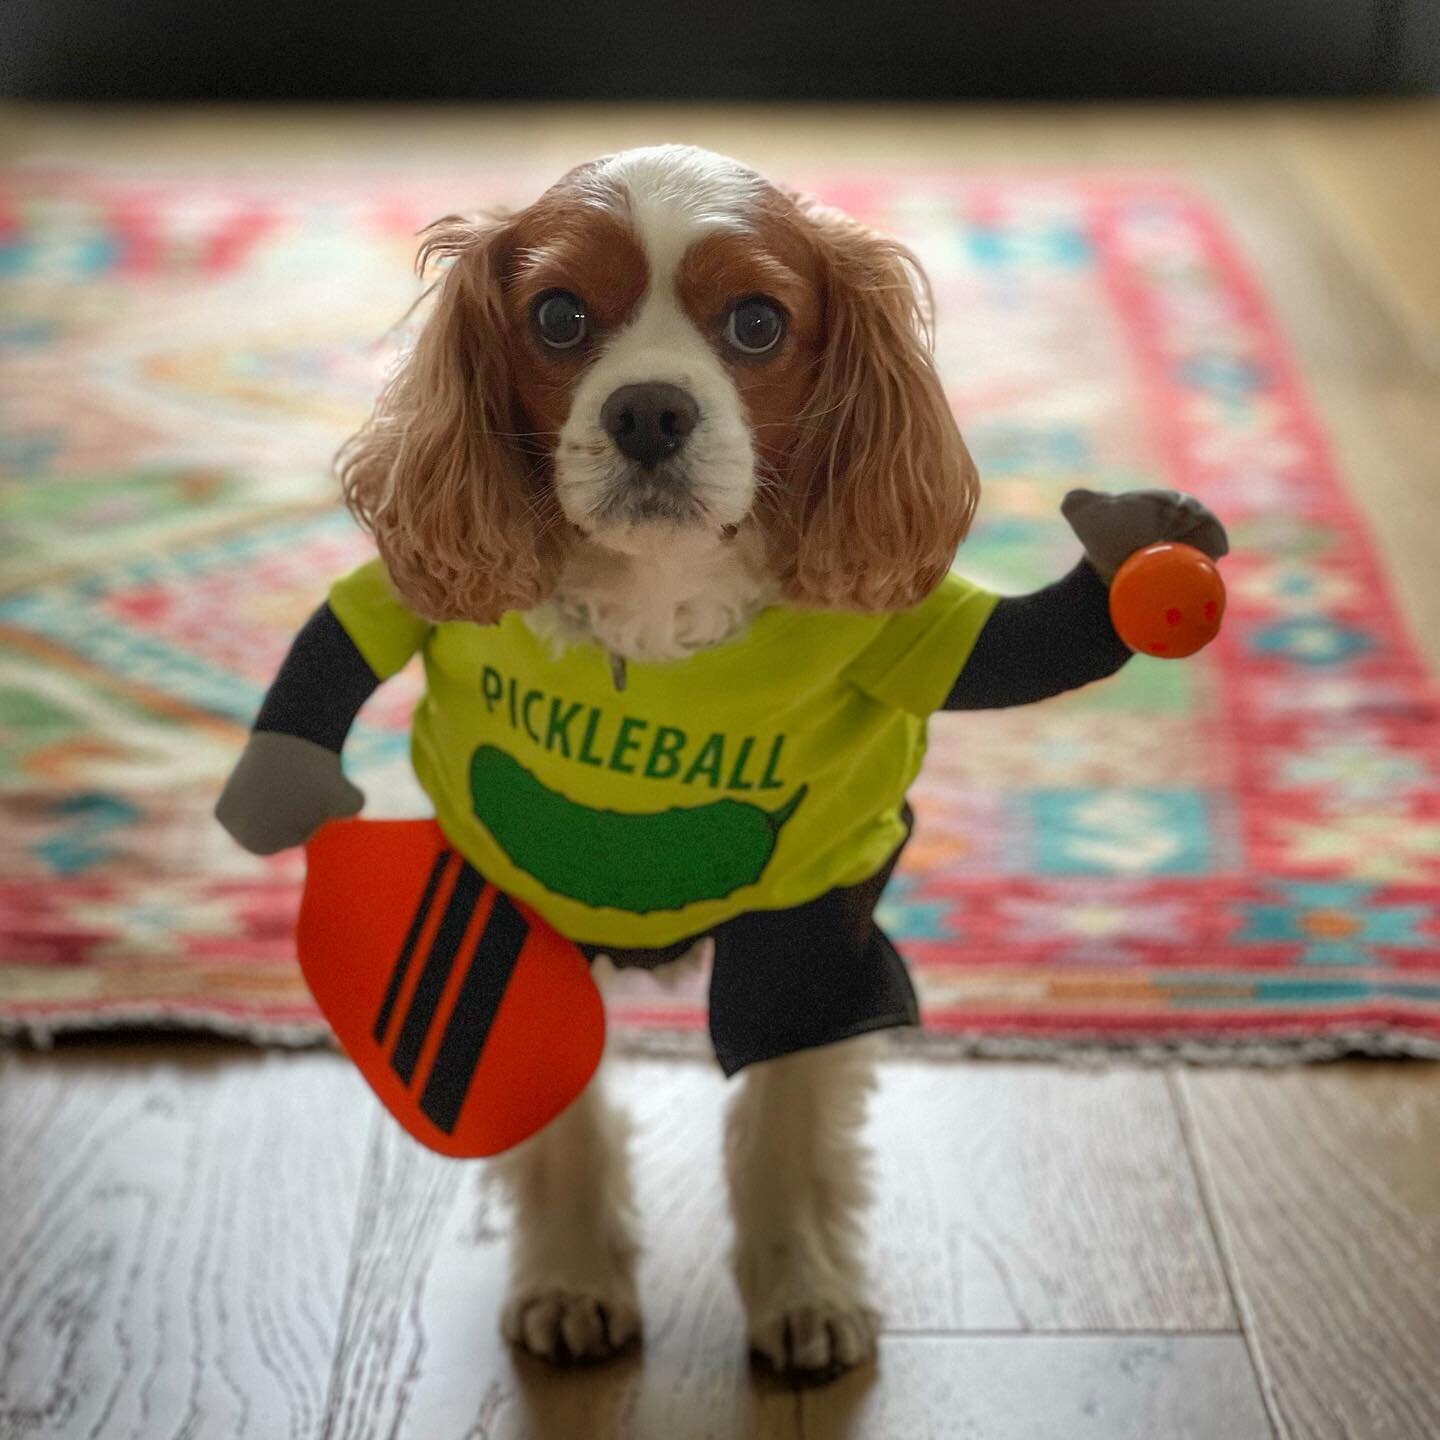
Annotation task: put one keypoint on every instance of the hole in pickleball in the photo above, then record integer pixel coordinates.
(1173, 615)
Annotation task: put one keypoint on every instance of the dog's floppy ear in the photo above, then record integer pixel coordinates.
(463, 514)
(881, 487)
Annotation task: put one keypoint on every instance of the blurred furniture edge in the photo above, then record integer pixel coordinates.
(711, 49)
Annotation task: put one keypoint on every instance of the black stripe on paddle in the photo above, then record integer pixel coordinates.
(496, 952)
(438, 965)
(407, 950)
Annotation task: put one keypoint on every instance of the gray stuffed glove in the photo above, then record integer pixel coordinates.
(282, 790)
(1113, 527)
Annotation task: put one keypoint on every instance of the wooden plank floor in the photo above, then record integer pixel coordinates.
(203, 1241)
(174, 1232)
(210, 1242)
(1327, 1185)
(199, 1241)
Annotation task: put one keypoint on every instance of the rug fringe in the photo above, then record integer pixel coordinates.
(42, 1034)
(1089, 1051)
(1093, 1052)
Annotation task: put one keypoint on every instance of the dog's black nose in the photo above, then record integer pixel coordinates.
(649, 422)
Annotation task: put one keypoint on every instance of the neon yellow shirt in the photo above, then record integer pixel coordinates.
(754, 775)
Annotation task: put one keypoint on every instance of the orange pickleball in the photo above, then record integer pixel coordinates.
(1167, 600)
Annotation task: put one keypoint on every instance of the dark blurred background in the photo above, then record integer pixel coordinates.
(675, 49)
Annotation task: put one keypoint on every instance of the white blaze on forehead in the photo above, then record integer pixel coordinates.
(672, 195)
(675, 194)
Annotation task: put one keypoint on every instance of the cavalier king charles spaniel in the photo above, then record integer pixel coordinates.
(661, 400)
(693, 395)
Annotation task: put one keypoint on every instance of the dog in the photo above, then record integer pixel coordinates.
(667, 491)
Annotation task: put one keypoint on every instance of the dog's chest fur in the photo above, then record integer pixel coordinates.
(656, 607)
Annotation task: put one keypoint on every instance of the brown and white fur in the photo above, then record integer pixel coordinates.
(825, 473)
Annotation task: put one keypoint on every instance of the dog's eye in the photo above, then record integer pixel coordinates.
(561, 320)
(755, 326)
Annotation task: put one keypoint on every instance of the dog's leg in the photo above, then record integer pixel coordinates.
(799, 1183)
(572, 1259)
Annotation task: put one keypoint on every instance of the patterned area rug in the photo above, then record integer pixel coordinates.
(1239, 855)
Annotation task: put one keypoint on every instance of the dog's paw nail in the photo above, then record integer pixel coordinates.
(540, 1327)
(569, 1326)
(622, 1325)
(812, 1344)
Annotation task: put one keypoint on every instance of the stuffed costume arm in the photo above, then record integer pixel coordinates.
(1038, 645)
(1059, 638)
(288, 781)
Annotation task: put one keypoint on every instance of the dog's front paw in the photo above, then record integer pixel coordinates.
(571, 1326)
(812, 1344)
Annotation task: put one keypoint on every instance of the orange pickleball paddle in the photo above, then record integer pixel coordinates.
(472, 1020)
(1167, 600)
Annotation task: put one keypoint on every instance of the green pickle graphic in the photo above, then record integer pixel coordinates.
(664, 860)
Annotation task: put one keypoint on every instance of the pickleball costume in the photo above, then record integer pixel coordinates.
(753, 792)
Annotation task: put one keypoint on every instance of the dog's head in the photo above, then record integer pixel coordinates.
(660, 350)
